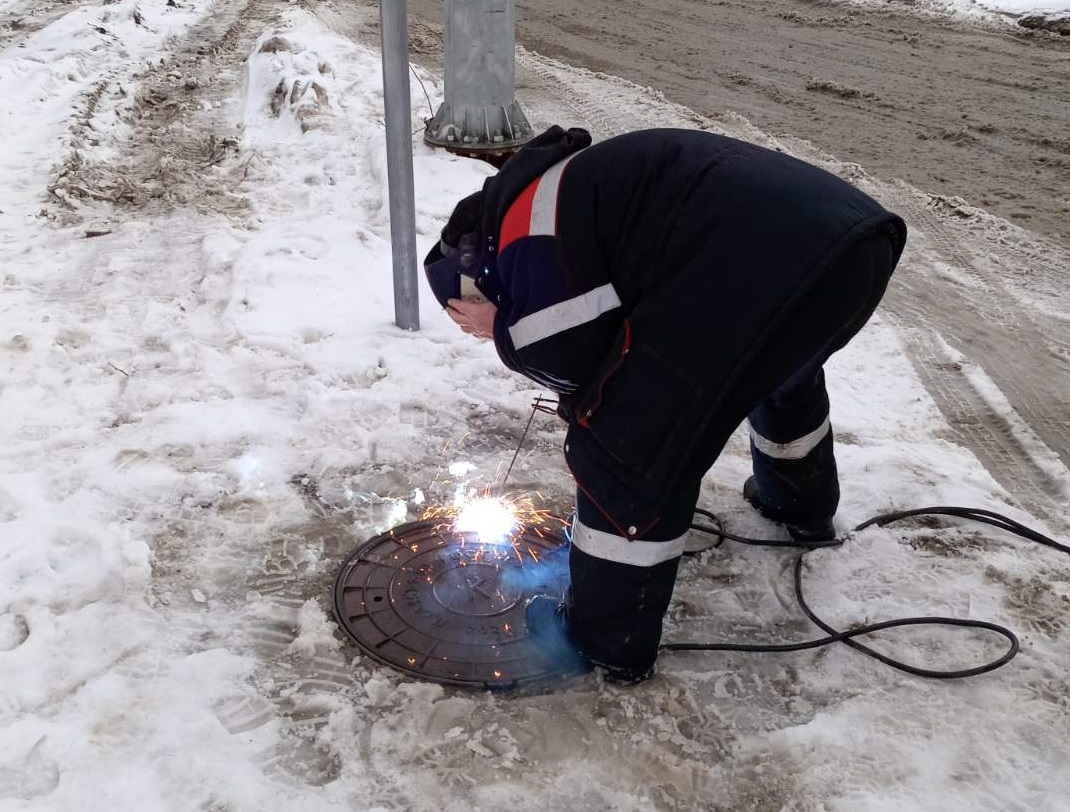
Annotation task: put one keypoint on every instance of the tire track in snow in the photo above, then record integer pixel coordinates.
(64, 65)
(953, 311)
(179, 146)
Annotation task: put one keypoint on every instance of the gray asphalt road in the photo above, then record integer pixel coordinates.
(962, 110)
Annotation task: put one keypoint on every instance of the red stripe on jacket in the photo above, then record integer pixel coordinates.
(517, 220)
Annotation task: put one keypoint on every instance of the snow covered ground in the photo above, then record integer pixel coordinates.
(206, 406)
(1042, 7)
(984, 8)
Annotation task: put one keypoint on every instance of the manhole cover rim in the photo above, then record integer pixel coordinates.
(386, 603)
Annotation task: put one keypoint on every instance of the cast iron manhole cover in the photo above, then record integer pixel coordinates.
(446, 607)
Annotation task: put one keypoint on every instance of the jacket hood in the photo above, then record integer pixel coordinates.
(529, 162)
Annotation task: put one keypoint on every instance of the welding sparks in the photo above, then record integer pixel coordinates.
(493, 520)
(489, 518)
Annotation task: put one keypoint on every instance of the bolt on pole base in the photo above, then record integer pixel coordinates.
(485, 132)
(479, 116)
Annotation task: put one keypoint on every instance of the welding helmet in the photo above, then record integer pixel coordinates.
(453, 272)
(459, 267)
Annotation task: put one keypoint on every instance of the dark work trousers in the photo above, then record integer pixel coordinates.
(616, 609)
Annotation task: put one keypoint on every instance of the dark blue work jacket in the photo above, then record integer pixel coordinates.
(640, 276)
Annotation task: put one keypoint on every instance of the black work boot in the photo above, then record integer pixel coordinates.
(803, 529)
(547, 621)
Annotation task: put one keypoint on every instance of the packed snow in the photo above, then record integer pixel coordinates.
(1014, 8)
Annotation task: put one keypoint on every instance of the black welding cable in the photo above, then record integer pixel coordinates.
(847, 637)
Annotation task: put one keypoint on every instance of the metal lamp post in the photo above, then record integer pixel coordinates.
(479, 115)
(393, 19)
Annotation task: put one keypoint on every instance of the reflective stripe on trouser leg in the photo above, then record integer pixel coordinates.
(792, 448)
(619, 591)
(611, 547)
